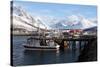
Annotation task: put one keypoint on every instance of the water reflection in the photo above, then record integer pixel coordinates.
(48, 57)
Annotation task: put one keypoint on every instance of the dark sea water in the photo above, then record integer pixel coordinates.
(24, 57)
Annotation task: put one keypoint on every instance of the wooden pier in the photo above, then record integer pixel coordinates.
(86, 39)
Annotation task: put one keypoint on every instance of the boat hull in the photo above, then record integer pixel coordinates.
(41, 47)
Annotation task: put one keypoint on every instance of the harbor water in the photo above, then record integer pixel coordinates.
(20, 56)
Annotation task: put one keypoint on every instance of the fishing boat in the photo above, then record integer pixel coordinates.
(40, 44)
(41, 41)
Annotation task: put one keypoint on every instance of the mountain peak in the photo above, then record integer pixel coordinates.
(74, 22)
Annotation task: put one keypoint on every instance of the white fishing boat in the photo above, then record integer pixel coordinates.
(40, 44)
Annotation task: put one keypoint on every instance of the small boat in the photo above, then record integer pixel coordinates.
(40, 44)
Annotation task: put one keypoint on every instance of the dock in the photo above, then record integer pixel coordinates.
(86, 39)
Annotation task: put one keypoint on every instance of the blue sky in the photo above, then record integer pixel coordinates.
(57, 10)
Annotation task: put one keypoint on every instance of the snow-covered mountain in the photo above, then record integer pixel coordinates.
(74, 22)
(22, 19)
